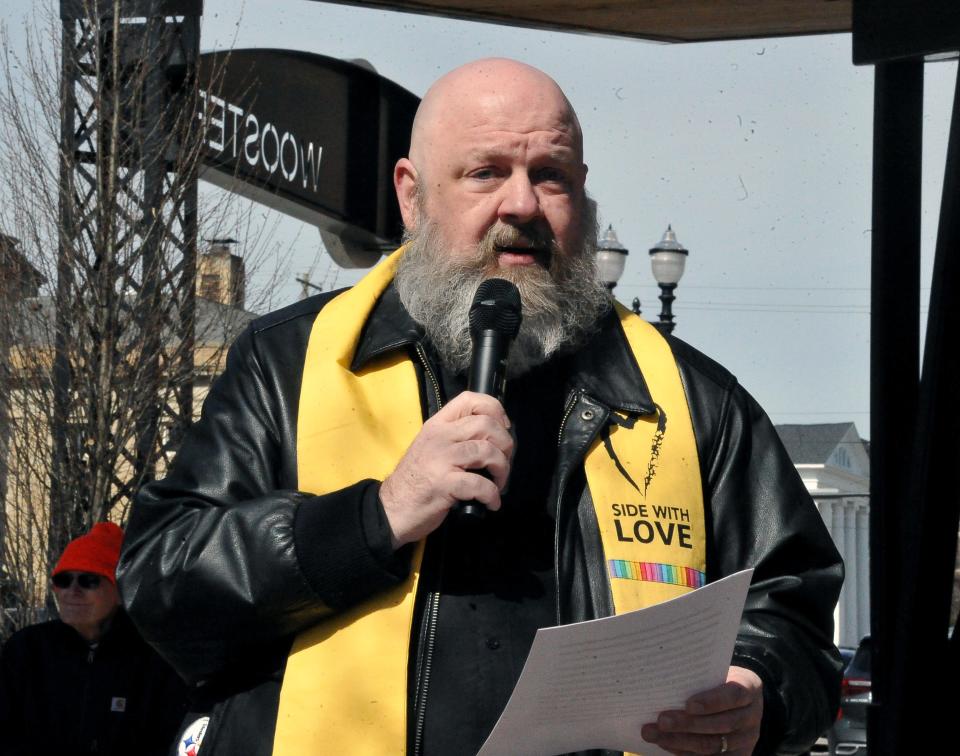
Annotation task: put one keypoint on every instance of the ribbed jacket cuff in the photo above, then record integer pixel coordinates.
(342, 542)
(773, 724)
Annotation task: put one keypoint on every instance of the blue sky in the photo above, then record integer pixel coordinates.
(757, 152)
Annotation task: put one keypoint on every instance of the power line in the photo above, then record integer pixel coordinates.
(775, 309)
(722, 287)
(757, 288)
(823, 412)
(815, 495)
(776, 305)
(796, 308)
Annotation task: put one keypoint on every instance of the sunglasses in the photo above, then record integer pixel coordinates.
(86, 580)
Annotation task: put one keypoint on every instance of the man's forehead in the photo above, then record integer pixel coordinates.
(522, 105)
(496, 94)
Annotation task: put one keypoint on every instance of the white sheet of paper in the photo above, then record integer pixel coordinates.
(593, 684)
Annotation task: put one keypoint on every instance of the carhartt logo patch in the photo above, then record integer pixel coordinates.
(118, 703)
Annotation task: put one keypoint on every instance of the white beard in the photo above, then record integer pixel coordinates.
(562, 306)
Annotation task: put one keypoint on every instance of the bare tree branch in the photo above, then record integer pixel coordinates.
(103, 342)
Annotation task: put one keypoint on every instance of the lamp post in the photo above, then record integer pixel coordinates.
(611, 258)
(667, 259)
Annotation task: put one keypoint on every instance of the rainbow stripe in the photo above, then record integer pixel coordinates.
(653, 572)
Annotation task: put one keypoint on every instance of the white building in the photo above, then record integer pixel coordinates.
(834, 463)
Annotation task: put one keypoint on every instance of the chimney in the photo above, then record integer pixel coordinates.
(18, 278)
(220, 274)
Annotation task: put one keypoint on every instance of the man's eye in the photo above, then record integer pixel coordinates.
(551, 175)
(483, 174)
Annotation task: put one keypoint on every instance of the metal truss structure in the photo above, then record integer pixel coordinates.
(127, 250)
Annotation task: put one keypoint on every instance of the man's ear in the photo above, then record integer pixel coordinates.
(405, 184)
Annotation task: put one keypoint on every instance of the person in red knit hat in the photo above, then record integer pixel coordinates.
(87, 683)
(85, 583)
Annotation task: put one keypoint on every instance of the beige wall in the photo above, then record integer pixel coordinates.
(26, 502)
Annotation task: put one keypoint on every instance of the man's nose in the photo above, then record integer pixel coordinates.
(520, 202)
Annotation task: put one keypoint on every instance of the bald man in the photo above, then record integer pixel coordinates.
(305, 563)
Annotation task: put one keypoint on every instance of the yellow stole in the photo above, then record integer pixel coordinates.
(345, 686)
(651, 512)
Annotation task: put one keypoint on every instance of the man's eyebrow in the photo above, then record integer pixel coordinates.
(483, 154)
(563, 154)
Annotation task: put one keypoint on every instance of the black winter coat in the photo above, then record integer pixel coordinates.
(60, 697)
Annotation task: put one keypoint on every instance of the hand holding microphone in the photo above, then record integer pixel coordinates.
(495, 317)
(462, 453)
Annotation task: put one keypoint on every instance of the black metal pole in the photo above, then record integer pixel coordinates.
(666, 324)
(894, 363)
(920, 627)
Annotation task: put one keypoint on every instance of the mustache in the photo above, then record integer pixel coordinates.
(535, 237)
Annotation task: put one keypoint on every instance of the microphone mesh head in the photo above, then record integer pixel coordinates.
(496, 307)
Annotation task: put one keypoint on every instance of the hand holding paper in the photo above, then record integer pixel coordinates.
(725, 719)
(594, 684)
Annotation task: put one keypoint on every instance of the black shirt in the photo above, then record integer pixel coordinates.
(496, 578)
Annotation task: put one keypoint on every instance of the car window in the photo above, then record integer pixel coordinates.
(846, 654)
(859, 666)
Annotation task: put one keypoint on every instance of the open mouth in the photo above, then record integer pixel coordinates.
(510, 254)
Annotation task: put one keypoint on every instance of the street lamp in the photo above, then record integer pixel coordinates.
(611, 258)
(667, 259)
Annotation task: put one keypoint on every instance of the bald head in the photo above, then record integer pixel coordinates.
(490, 87)
(494, 142)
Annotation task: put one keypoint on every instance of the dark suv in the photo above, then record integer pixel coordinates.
(848, 736)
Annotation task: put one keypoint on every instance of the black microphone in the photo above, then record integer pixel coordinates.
(494, 323)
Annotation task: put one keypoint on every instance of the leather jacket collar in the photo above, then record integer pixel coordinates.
(604, 368)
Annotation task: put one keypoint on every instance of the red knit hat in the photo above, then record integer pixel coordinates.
(98, 552)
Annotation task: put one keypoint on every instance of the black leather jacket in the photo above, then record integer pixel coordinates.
(223, 564)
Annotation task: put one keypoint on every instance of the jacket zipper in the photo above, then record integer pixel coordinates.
(421, 353)
(85, 699)
(423, 680)
(561, 484)
(431, 609)
(571, 403)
